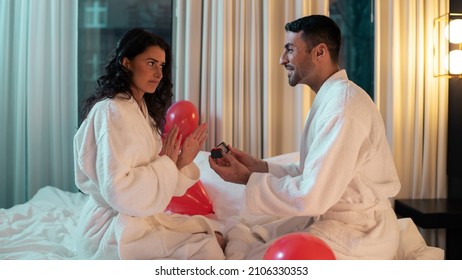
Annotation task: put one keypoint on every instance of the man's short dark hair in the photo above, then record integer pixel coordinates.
(318, 29)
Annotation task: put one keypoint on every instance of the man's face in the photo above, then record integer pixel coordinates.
(296, 58)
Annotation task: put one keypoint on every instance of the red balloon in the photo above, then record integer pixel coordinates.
(185, 115)
(299, 246)
(194, 202)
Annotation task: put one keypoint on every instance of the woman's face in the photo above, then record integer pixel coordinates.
(147, 70)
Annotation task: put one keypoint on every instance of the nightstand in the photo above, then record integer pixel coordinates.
(436, 213)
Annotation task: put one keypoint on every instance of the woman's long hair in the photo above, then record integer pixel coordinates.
(118, 78)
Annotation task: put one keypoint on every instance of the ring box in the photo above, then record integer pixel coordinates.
(218, 150)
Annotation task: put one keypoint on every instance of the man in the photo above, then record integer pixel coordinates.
(346, 173)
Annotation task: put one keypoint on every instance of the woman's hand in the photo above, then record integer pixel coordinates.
(171, 145)
(191, 146)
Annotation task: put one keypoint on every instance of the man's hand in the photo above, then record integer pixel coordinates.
(230, 169)
(253, 164)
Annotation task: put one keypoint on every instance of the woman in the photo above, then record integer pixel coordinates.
(129, 175)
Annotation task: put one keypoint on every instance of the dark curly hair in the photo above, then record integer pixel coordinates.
(318, 29)
(118, 78)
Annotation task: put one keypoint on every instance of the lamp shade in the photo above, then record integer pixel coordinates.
(453, 62)
(453, 31)
(447, 46)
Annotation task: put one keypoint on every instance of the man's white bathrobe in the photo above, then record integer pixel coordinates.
(343, 182)
(129, 185)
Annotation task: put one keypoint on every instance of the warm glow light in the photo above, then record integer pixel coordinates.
(453, 62)
(453, 31)
(447, 45)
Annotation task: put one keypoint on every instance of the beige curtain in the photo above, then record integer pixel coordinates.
(227, 63)
(412, 102)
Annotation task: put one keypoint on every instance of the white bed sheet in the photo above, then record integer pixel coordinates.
(44, 227)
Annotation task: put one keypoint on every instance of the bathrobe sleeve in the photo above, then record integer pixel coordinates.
(281, 170)
(340, 144)
(124, 163)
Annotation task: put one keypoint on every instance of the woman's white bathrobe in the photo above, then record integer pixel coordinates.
(344, 181)
(129, 185)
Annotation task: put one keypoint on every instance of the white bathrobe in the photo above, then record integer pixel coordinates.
(343, 182)
(129, 185)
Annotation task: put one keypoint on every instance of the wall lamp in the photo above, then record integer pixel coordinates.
(447, 46)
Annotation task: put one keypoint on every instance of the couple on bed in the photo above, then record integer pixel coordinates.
(339, 191)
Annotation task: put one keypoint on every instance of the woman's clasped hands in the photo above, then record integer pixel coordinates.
(183, 152)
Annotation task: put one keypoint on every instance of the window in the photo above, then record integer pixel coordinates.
(103, 22)
(355, 19)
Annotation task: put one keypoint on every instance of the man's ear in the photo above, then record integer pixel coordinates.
(321, 51)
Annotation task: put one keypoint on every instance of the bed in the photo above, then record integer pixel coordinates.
(43, 228)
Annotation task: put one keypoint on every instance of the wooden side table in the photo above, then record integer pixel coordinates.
(436, 213)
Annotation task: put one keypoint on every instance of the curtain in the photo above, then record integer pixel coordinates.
(229, 67)
(38, 89)
(412, 102)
